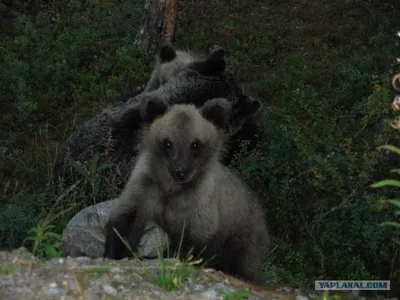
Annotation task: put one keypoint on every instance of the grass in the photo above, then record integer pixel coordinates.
(59, 72)
(326, 296)
(172, 274)
(4, 271)
(234, 295)
(323, 68)
(99, 271)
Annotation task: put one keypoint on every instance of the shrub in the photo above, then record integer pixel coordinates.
(59, 66)
(328, 110)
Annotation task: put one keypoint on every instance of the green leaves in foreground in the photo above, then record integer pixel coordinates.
(172, 274)
(390, 182)
(91, 173)
(395, 202)
(45, 241)
(386, 182)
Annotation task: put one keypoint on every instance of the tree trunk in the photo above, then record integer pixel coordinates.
(158, 24)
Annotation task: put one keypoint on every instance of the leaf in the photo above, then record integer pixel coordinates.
(102, 167)
(30, 238)
(175, 281)
(47, 227)
(390, 224)
(395, 171)
(395, 202)
(123, 240)
(54, 235)
(50, 251)
(386, 182)
(89, 218)
(390, 148)
(34, 230)
(222, 291)
(96, 186)
(77, 167)
(93, 163)
(243, 293)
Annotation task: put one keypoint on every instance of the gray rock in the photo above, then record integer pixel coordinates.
(210, 294)
(84, 234)
(286, 289)
(109, 290)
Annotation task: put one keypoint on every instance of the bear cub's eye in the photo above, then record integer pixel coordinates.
(195, 145)
(167, 144)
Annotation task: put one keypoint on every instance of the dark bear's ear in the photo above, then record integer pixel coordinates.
(217, 53)
(214, 64)
(254, 107)
(152, 108)
(247, 107)
(166, 52)
(217, 111)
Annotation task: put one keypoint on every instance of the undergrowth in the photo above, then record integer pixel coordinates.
(323, 69)
(60, 65)
(234, 295)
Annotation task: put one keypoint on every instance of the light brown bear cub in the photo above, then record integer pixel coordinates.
(179, 183)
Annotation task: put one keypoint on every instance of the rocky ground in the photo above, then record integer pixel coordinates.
(24, 277)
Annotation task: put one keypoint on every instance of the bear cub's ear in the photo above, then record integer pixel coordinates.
(166, 52)
(152, 108)
(217, 111)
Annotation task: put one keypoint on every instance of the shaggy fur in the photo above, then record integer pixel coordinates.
(179, 184)
(169, 62)
(115, 129)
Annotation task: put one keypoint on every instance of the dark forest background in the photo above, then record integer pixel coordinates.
(324, 69)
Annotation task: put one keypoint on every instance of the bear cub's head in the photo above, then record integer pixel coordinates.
(182, 140)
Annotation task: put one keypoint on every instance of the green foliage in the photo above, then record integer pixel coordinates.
(391, 182)
(57, 71)
(99, 271)
(91, 174)
(46, 242)
(326, 81)
(325, 296)
(124, 240)
(59, 65)
(172, 274)
(234, 295)
(322, 69)
(4, 270)
(314, 169)
(397, 213)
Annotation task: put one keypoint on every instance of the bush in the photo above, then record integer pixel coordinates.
(59, 68)
(329, 105)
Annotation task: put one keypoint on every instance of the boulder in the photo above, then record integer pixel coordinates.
(84, 235)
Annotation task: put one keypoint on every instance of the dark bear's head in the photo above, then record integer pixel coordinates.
(204, 79)
(169, 62)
